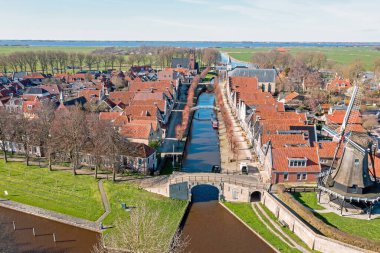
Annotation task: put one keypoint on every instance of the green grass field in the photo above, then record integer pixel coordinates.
(365, 228)
(308, 199)
(52, 190)
(131, 195)
(12, 49)
(244, 211)
(343, 55)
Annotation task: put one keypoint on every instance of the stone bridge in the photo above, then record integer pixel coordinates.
(242, 188)
(204, 107)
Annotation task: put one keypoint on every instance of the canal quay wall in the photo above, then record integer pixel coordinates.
(50, 215)
(314, 240)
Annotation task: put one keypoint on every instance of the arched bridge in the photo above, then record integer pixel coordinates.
(204, 107)
(231, 187)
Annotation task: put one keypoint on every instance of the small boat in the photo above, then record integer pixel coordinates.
(214, 124)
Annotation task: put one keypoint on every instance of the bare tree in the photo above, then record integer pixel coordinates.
(146, 230)
(90, 61)
(24, 134)
(43, 60)
(5, 124)
(120, 60)
(31, 60)
(73, 59)
(45, 117)
(70, 133)
(81, 59)
(112, 59)
(4, 64)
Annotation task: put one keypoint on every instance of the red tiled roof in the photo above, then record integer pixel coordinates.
(338, 84)
(136, 131)
(148, 96)
(281, 156)
(53, 89)
(93, 95)
(34, 75)
(111, 116)
(139, 150)
(326, 149)
(243, 82)
(281, 140)
(291, 96)
(337, 117)
(124, 97)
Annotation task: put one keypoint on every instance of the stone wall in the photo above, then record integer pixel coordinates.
(303, 231)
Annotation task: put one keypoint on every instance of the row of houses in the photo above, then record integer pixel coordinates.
(285, 142)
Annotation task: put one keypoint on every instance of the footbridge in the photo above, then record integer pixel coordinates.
(179, 185)
(204, 107)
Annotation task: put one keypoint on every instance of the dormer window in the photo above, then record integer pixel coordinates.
(297, 162)
(30, 107)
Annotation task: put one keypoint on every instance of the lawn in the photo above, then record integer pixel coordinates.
(58, 191)
(343, 55)
(132, 195)
(308, 199)
(365, 228)
(244, 211)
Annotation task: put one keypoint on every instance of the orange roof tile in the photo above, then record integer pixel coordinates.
(281, 158)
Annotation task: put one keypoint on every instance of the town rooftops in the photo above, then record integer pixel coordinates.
(136, 131)
(282, 158)
(262, 75)
(138, 150)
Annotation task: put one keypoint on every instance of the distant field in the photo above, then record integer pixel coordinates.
(12, 49)
(342, 55)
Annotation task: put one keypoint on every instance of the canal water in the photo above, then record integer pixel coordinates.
(202, 148)
(69, 239)
(209, 226)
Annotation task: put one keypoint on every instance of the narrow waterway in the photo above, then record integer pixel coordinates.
(202, 148)
(210, 227)
(69, 239)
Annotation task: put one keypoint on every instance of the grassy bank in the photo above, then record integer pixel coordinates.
(57, 191)
(244, 211)
(132, 195)
(361, 227)
(343, 55)
(308, 199)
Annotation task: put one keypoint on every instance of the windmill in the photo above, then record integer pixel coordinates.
(351, 178)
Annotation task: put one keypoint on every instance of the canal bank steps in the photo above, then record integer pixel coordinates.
(275, 228)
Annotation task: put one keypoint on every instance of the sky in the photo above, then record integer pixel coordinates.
(194, 20)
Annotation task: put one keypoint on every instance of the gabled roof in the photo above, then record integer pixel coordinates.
(283, 140)
(263, 75)
(291, 96)
(136, 131)
(124, 97)
(326, 149)
(111, 116)
(138, 150)
(36, 91)
(281, 158)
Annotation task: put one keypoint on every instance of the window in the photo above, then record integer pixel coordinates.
(299, 176)
(297, 162)
(30, 107)
(304, 176)
(356, 163)
(286, 176)
(140, 161)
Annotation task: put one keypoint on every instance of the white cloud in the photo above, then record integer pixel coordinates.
(194, 1)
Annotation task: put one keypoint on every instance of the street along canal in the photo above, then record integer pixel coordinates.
(210, 227)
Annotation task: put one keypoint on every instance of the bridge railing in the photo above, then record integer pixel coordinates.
(215, 179)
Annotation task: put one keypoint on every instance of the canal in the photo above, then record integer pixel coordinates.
(210, 227)
(69, 239)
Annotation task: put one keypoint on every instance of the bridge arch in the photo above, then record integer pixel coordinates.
(204, 193)
(255, 196)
